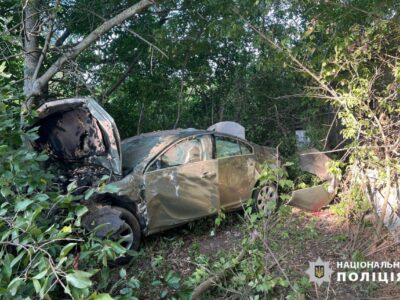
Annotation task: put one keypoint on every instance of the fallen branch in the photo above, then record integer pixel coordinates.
(210, 282)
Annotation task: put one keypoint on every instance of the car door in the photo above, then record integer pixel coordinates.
(181, 184)
(236, 171)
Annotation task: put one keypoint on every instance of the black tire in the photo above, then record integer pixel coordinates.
(131, 231)
(262, 195)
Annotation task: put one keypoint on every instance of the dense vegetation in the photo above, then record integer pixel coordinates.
(330, 67)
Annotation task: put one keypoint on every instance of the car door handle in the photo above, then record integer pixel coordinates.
(208, 175)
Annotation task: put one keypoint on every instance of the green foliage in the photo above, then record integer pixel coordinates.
(277, 175)
(360, 52)
(353, 206)
(216, 67)
(249, 276)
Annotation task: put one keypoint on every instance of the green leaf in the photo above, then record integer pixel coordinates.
(14, 285)
(41, 197)
(156, 283)
(111, 188)
(134, 283)
(173, 280)
(117, 248)
(163, 294)
(44, 288)
(40, 275)
(79, 279)
(125, 291)
(36, 213)
(22, 205)
(81, 210)
(103, 296)
(17, 259)
(72, 186)
(36, 285)
(89, 193)
(122, 273)
(41, 157)
(5, 192)
(67, 248)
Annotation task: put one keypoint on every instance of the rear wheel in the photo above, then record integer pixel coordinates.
(264, 196)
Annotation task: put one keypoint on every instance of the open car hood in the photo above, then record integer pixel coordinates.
(79, 130)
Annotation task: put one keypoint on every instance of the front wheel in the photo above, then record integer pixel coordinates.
(115, 223)
(128, 235)
(264, 196)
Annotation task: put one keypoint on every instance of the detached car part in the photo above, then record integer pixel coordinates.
(314, 198)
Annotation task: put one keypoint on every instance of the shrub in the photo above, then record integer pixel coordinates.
(43, 250)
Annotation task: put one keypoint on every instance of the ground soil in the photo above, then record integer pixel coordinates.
(303, 238)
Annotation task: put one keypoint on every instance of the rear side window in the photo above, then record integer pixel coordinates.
(226, 147)
(246, 149)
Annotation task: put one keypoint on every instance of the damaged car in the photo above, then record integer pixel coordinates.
(163, 179)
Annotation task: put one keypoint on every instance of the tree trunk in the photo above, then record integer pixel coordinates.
(31, 49)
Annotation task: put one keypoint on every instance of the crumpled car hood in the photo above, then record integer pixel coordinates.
(79, 130)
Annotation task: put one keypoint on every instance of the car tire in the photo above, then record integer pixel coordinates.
(262, 195)
(131, 231)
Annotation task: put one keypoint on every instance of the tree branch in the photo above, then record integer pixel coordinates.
(62, 38)
(279, 47)
(47, 41)
(85, 43)
(132, 32)
(119, 81)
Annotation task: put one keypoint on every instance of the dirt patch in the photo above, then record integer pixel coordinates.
(336, 242)
(298, 239)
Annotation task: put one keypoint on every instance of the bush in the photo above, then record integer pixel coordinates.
(43, 250)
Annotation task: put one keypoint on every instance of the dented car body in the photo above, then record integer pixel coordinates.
(178, 176)
(161, 179)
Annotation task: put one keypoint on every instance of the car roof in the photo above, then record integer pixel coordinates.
(138, 150)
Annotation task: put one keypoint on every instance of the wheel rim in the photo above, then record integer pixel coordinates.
(125, 236)
(266, 193)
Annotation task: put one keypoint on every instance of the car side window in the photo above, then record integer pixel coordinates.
(246, 149)
(184, 152)
(226, 147)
